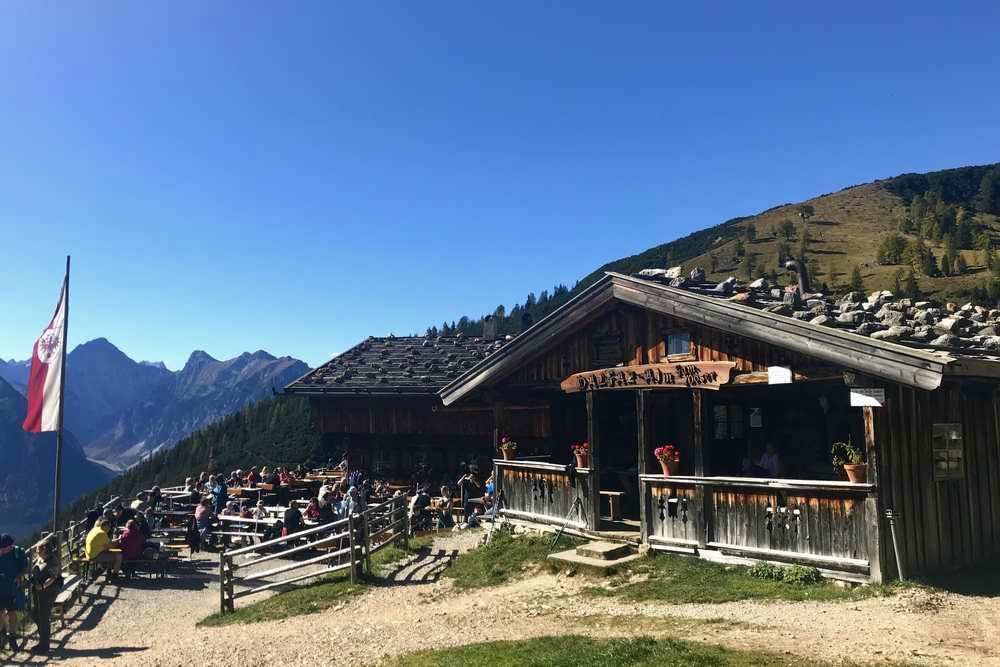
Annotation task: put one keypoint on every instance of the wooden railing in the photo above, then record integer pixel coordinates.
(546, 493)
(830, 525)
(346, 544)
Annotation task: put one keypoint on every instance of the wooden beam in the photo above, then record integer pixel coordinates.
(643, 428)
(698, 458)
(593, 437)
(874, 509)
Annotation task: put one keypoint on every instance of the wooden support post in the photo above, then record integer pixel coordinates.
(366, 534)
(643, 430)
(698, 458)
(222, 583)
(593, 437)
(874, 508)
(497, 426)
(352, 557)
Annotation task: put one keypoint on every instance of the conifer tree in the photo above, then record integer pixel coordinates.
(857, 282)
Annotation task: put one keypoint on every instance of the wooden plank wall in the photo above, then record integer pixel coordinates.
(391, 416)
(641, 333)
(941, 525)
(547, 495)
(674, 514)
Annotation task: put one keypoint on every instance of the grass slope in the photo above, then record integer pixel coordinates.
(680, 579)
(577, 651)
(502, 560)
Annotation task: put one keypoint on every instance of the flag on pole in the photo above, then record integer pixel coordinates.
(45, 381)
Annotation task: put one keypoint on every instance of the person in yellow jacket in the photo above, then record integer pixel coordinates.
(99, 548)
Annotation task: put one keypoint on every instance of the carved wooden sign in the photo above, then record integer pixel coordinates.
(700, 374)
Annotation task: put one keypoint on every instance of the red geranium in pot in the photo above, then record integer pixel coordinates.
(582, 452)
(669, 457)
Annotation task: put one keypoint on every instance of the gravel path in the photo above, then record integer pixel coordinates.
(142, 624)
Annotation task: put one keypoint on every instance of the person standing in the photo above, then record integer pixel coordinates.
(13, 566)
(46, 579)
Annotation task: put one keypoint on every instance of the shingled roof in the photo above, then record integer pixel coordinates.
(397, 366)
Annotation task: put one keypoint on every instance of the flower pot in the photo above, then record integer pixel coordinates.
(669, 467)
(856, 472)
(582, 460)
(507, 454)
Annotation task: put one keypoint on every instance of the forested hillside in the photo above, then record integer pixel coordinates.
(276, 431)
(932, 234)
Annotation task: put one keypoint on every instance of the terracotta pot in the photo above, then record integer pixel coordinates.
(856, 472)
(582, 460)
(669, 467)
(507, 454)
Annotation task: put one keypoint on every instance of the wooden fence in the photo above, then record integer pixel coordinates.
(346, 544)
(831, 525)
(546, 493)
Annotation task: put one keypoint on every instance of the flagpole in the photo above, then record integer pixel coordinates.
(62, 400)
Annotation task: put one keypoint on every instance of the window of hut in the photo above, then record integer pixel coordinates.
(728, 422)
(678, 343)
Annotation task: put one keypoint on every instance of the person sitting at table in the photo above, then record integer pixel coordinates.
(312, 510)
(326, 512)
(259, 512)
(132, 541)
(204, 516)
(234, 480)
(220, 494)
(292, 520)
(232, 509)
(153, 497)
(420, 515)
(326, 491)
(445, 507)
(246, 512)
(354, 502)
(252, 478)
(191, 489)
(285, 476)
(770, 461)
(98, 547)
(93, 515)
(202, 483)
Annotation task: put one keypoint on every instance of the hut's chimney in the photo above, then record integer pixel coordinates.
(489, 328)
(800, 270)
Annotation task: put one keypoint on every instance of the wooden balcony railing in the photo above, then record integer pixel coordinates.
(546, 493)
(831, 525)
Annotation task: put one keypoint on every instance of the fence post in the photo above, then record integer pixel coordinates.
(350, 537)
(404, 527)
(222, 583)
(366, 534)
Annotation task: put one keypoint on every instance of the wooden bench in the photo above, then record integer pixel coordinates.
(614, 503)
(72, 586)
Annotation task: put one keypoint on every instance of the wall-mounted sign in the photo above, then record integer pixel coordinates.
(701, 375)
(779, 375)
(867, 397)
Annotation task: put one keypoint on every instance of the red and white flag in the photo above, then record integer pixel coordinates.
(45, 381)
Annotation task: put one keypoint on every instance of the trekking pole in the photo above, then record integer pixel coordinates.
(577, 505)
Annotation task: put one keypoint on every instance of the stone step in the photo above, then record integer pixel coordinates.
(599, 566)
(604, 550)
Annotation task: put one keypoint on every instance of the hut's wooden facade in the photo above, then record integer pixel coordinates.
(629, 365)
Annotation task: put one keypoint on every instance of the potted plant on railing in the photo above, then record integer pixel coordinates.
(507, 448)
(852, 459)
(582, 452)
(669, 457)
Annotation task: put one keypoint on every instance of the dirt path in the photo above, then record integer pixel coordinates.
(145, 625)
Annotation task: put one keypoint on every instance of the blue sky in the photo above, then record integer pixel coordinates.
(295, 176)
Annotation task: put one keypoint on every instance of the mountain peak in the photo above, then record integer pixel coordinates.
(199, 358)
(155, 364)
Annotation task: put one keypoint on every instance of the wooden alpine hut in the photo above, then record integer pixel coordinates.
(751, 387)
